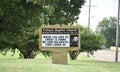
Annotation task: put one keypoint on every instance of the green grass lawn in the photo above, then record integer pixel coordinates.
(41, 64)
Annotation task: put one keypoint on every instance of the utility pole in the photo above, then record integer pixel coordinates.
(89, 14)
(117, 32)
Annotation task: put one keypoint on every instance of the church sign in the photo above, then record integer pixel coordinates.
(59, 40)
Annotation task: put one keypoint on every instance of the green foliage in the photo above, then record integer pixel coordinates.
(66, 11)
(18, 26)
(61, 11)
(107, 27)
(10, 14)
(90, 42)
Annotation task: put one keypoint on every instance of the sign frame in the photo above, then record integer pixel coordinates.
(59, 49)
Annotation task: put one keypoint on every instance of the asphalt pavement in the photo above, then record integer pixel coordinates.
(106, 55)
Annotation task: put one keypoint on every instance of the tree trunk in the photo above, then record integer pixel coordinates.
(73, 55)
(88, 53)
(27, 55)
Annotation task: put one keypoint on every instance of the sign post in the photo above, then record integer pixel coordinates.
(59, 57)
(59, 40)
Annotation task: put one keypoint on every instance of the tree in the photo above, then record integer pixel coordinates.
(66, 11)
(20, 20)
(90, 42)
(107, 27)
(9, 23)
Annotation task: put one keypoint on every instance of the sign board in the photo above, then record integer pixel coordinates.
(62, 37)
(59, 40)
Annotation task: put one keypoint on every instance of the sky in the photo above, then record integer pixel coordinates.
(99, 10)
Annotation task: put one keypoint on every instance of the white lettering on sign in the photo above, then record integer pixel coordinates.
(49, 40)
